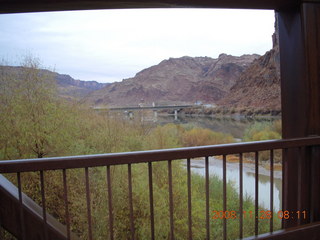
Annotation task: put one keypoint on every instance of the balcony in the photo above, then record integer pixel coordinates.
(299, 41)
(25, 219)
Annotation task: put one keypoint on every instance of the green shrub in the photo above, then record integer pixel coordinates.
(263, 131)
(162, 137)
(200, 137)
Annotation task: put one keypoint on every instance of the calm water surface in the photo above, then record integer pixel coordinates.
(215, 168)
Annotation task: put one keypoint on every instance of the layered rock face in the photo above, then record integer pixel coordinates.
(176, 81)
(259, 85)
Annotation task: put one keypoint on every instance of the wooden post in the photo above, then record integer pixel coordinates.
(311, 30)
(299, 38)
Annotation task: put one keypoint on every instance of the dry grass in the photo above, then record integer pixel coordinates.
(235, 159)
(198, 158)
(276, 167)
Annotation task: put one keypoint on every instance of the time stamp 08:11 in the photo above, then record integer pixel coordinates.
(263, 214)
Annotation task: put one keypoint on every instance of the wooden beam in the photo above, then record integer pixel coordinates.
(10, 216)
(309, 231)
(108, 159)
(311, 33)
(293, 103)
(300, 88)
(15, 6)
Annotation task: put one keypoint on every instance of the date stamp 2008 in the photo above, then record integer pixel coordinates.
(263, 214)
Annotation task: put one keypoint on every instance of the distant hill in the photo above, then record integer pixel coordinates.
(68, 87)
(176, 81)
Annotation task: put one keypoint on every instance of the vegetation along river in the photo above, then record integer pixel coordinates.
(235, 127)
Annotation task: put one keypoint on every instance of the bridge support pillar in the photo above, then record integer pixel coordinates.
(176, 114)
(155, 115)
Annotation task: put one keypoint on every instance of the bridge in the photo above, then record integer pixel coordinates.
(130, 110)
(147, 107)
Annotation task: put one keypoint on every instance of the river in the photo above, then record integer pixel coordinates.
(215, 168)
(236, 127)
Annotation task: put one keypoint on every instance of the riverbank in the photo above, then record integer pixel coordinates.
(237, 113)
(246, 160)
(233, 164)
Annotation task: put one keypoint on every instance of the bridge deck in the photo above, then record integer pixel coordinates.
(148, 107)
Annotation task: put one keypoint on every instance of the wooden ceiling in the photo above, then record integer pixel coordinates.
(15, 6)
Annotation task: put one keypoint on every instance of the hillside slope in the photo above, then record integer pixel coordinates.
(259, 85)
(176, 81)
(67, 87)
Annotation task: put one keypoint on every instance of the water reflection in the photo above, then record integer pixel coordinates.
(234, 125)
(215, 168)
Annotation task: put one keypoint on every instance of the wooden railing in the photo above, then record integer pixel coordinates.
(169, 155)
(17, 208)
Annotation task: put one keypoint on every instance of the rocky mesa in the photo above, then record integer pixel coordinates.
(176, 81)
(259, 85)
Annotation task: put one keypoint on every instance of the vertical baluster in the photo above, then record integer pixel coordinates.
(271, 189)
(110, 202)
(313, 188)
(224, 195)
(44, 211)
(284, 169)
(22, 224)
(189, 198)
(256, 223)
(303, 174)
(207, 198)
(300, 186)
(130, 201)
(88, 203)
(151, 199)
(241, 195)
(65, 195)
(170, 199)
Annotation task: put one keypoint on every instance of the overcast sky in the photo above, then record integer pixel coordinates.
(111, 45)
